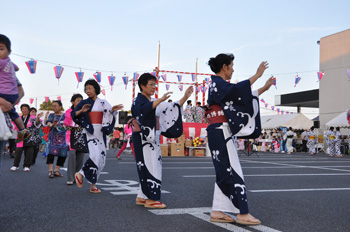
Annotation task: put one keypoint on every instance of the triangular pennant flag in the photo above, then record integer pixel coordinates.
(80, 76)
(262, 100)
(181, 87)
(167, 86)
(136, 76)
(31, 64)
(320, 75)
(98, 76)
(31, 100)
(47, 99)
(275, 82)
(207, 80)
(59, 98)
(297, 79)
(163, 77)
(348, 72)
(111, 80)
(194, 77)
(272, 108)
(58, 71)
(125, 80)
(204, 89)
(179, 78)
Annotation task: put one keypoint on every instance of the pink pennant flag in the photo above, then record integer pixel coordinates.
(31, 64)
(59, 98)
(31, 100)
(297, 79)
(262, 100)
(98, 76)
(167, 86)
(348, 72)
(266, 105)
(198, 89)
(136, 76)
(194, 77)
(125, 80)
(278, 110)
(181, 87)
(348, 115)
(204, 89)
(58, 72)
(154, 73)
(282, 112)
(272, 108)
(320, 75)
(103, 92)
(18, 102)
(47, 99)
(179, 78)
(80, 76)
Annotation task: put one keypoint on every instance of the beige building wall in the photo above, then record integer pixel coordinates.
(334, 95)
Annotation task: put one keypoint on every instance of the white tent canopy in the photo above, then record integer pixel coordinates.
(296, 121)
(339, 121)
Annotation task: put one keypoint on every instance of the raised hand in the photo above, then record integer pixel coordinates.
(188, 92)
(117, 107)
(85, 108)
(166, 96)
(262, 67)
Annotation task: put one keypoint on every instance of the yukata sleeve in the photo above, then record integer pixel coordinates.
(108, 120)
(170, 119)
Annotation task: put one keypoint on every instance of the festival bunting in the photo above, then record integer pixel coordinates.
(163, 77)
(179, 78)
(348, 72)
(31, 100)
(272, 108)
(80, 76)
(194, 76)
(47, 99)
(262, 100)
(111, 80)
(207, 80)
(31, 64)
(167, 86)
(204, 89)
(103, 92)
(320, 75)
(154, 73)
(125, 80)
(348, 116)
(275, 82)
(181, 87)
(98, 76)
(297, 79)
(59, 98)
(58, 72)
(136, 76)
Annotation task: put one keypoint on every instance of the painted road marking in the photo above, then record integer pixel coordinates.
(299, 190)
(202, 213)
(122, 187)
(102, 173)
(270, 175)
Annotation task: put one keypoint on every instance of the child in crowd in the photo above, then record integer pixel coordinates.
(8, 85)
(275, 144)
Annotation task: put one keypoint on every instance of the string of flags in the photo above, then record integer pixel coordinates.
(273, 108)
(58, 71)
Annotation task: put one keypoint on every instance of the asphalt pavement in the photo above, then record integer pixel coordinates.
(294, 192)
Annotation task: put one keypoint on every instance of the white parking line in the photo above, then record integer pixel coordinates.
(298, 190)
(270, 175)
(202, 213)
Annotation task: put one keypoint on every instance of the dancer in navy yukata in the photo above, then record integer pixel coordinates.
(152, 118)
(97, 117)
(233, 112)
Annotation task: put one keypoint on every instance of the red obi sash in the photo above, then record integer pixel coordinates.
(96, 117)
(215, 114)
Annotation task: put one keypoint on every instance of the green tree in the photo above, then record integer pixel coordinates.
(47, 105)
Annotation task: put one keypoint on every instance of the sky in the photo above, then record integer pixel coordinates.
(122, 37)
